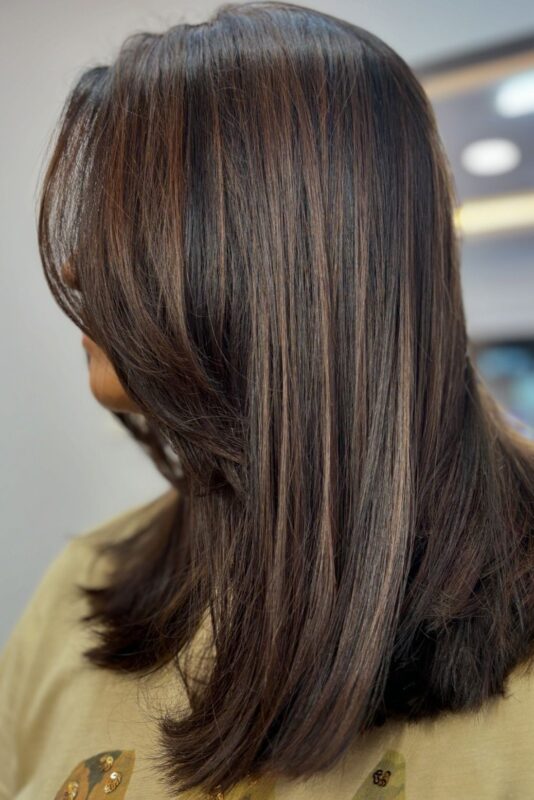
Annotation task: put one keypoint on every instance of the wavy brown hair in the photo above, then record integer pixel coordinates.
(258, 210)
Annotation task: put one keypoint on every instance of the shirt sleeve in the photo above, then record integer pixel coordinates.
(19, 661)
(8, 660)
(40, 638)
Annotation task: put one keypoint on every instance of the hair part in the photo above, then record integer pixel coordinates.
(259, 210)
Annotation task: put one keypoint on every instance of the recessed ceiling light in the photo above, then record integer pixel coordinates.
(497, 214)
(490, 156)
(516, 95)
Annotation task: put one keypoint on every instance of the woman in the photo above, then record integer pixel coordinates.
(251, 221)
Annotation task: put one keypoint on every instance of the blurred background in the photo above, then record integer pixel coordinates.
(67, 465)
(484, 103)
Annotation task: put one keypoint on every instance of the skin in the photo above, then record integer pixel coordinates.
(103, 380)
(104, 383)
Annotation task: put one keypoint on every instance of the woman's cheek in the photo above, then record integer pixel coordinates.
(106, 387)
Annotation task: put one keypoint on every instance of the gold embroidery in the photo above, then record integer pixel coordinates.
(91, 778)
(263, 792)
(112, 782)
(390, 772)
(71, 792)
(380, 777)
(106, 763)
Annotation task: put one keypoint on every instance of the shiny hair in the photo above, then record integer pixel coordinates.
(259, 213)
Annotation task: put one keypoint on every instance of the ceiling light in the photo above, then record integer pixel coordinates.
(491, 156)
(498, 214)
(516, 96)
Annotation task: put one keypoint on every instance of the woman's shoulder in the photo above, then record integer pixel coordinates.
(43, 650)
(55, 599)
(123, 524)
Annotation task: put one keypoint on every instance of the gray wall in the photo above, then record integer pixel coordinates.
(66, 464)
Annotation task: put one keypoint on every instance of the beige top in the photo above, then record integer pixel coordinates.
(71, 730)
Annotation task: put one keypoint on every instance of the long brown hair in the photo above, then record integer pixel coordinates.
(259, 212)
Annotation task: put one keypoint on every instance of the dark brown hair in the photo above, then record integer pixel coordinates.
(259, 212)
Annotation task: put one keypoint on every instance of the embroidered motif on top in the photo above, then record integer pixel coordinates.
(100, 776)
(387, 779)
(251, 789)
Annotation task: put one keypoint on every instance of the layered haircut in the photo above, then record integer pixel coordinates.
(259, 212)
